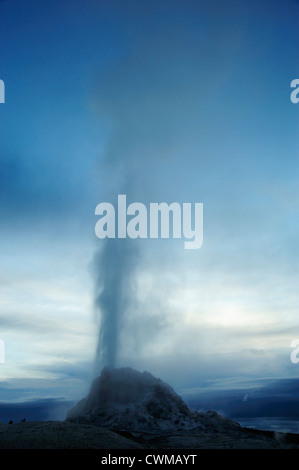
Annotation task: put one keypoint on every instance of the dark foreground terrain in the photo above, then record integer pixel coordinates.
(127, 409)
(65, 435)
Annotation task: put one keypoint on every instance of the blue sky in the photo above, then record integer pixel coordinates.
(167, 101)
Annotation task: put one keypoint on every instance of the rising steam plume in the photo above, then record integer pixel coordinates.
(114, 277)
(152, 98)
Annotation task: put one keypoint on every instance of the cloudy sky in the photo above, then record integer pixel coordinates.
(162, 101)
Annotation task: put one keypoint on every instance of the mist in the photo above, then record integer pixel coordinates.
(179, 127)
(164, 101)
(152, 102)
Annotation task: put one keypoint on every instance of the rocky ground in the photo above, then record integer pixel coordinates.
(60, 435)
(126, 409)
(65, 435)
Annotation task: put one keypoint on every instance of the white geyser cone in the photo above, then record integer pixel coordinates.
(128, 400)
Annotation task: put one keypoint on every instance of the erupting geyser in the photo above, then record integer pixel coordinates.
(127, 400)
(114, 268)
